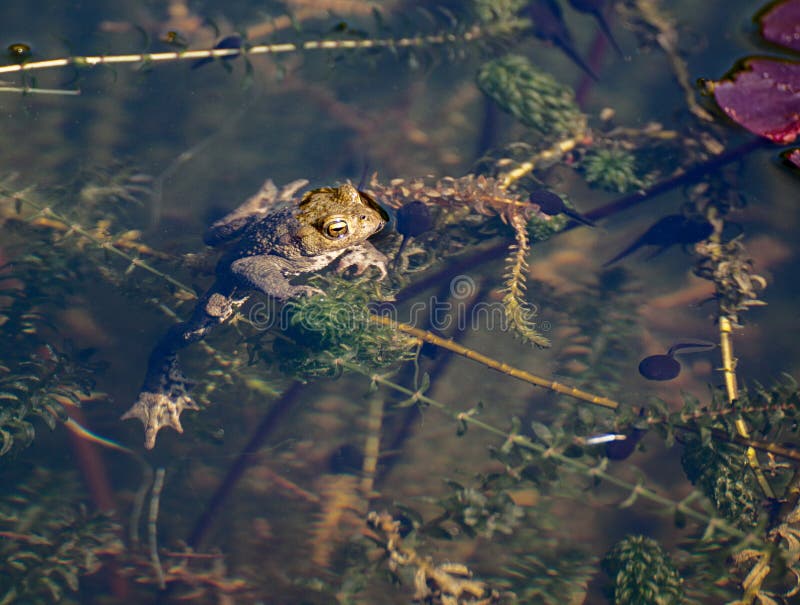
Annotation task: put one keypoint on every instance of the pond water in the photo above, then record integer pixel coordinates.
(473, 427)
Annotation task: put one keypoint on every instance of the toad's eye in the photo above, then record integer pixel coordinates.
(335, 228)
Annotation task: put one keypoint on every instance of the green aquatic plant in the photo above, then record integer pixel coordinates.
(728, 265)
(643, 573)
(479, 510)
(39, 374)
(540, 230)
(552, 575)
(49, 540)
(519, 313)
(434, 583)
(502, 18)
(488, 11)
(612, 169)
(468, 204)
(323, 331)
(721, 472)
(532, 96)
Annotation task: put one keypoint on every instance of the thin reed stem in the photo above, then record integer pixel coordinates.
(490, 362)
(152, 526)
(572, 464)
(260, 49)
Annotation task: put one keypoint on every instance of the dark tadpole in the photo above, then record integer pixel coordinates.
(549, 25)
(620, 449)
(413, 219)
(666, 367)
(552, 205)
(232, 41)
(659, 367)
(668, 231)
(619, 446)
(597, 9)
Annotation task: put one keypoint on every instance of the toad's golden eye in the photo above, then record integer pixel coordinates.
(335, 228)
(19, 51)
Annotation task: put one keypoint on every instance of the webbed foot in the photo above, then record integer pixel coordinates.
(362, 258)
(162, 405)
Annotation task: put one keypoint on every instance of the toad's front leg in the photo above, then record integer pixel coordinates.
(268, 273)
(362, 257)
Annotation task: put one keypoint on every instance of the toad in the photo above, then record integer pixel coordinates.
(279, 237)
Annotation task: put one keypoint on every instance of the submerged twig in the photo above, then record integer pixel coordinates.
(372, 447)
(109, 245)
(687, 177)
(471, 35)
(735, 287)
(459, 349)
(30, 90)
(237, 469)
(152, 526)
(138, 504)
(551, 154)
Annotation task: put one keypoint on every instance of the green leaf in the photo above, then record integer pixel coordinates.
(52, 587)
(542, 432)
(69, 575)
(8, 442)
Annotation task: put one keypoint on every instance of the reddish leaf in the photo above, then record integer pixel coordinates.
(780, 24)
(792, 157)
(763, 96)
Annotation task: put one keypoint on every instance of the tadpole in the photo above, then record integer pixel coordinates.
(666, 367)
(551, 204)
(668, 231)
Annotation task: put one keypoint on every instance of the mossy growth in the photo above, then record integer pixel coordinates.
(643, 573)
(613, 169)
(323, 331)
(532, 96)
(541, 229)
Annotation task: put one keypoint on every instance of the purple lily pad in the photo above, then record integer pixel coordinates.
(763, 96)
(780, 24)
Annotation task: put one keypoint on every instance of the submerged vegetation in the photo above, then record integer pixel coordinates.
(399, 468)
